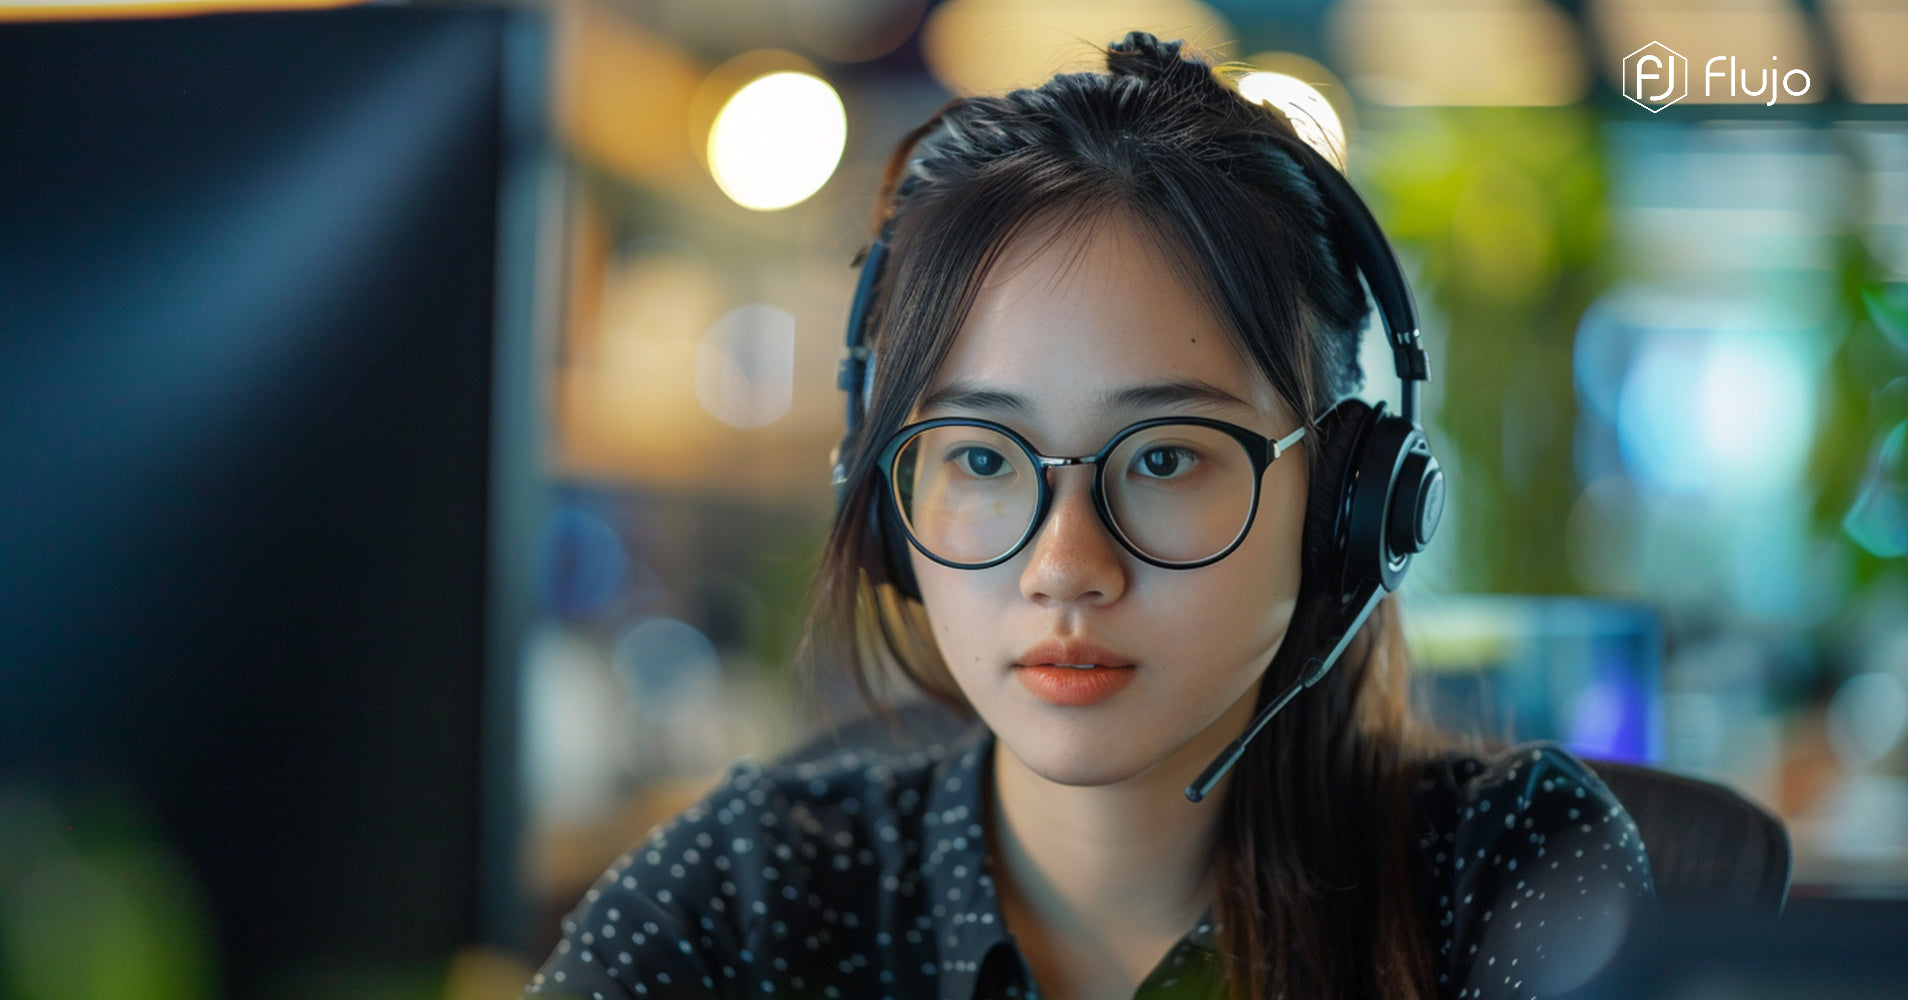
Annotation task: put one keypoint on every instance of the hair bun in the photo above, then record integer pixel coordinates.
(1144, 56)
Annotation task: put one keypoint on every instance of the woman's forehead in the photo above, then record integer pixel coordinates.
(1086, 312)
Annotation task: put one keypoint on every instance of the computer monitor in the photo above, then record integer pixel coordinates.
(265, 288)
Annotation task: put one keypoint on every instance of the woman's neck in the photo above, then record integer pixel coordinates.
(1097, 883)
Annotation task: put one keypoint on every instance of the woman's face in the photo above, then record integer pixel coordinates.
(1075, 335)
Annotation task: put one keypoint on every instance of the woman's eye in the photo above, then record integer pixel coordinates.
(983, 463)
(1164, 462)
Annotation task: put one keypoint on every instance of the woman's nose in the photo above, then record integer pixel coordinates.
(1073, 557)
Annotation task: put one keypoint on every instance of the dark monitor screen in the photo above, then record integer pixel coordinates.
(248, 285)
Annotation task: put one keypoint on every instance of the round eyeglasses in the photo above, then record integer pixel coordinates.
(1177, 492)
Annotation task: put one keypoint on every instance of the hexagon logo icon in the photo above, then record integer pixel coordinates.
(1655, 76)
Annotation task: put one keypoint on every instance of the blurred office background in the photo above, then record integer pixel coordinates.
(414, 425)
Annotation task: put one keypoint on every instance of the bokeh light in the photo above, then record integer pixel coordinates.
(1722, 414)
(990, 46)
(854, 30)
(778, 140)
(1312, 116)
(675, 685)
(1866, 717)
(582, 563)
(665, 662)
(745, 366)
(574, 737)
(621, 93)
(1878, 519)
(1503, 53)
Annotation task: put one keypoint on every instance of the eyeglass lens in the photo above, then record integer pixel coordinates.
(1179, 493)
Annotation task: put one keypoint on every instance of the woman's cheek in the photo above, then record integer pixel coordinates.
(957, 621)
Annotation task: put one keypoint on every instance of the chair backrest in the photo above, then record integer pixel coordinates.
(1708, 846)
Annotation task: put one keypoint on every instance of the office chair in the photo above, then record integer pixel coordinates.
(1708, 846)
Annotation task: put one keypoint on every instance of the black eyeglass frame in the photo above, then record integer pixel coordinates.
(1262, 451)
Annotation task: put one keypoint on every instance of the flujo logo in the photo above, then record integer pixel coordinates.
(1655, 76)
(1766, 80)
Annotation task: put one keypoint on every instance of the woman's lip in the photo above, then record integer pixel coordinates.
(1071, 653)
(1069, 688)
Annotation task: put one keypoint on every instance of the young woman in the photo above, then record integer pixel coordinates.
(1091, 507)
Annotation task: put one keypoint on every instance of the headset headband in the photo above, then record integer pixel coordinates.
(1384, 279)
(855, 376)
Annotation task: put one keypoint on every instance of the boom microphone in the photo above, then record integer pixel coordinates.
(1366, 599)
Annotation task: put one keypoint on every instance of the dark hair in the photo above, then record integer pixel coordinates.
(1315, 892)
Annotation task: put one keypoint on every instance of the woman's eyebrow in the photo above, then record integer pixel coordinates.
(1177, 392)
(963, 394)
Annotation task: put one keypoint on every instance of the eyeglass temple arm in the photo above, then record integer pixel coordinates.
(1279, 446)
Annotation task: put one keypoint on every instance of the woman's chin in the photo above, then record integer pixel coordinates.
(1083, 759)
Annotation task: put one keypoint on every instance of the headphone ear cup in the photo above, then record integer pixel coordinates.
(1327, 516)
(1392, 503)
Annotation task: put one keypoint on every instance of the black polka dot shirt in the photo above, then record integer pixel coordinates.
(864, 874)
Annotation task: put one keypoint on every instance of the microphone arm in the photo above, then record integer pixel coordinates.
(1367, 598)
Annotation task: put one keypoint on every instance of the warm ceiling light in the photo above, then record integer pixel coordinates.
(1311, 115)
(778, 140)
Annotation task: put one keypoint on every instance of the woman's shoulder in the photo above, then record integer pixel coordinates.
(832, 804)
(778, 864)
(835, 789)
(1516, 806)
(1528, 778)
(1530, 865)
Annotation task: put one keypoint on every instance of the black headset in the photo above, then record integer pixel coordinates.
(1386, 488)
